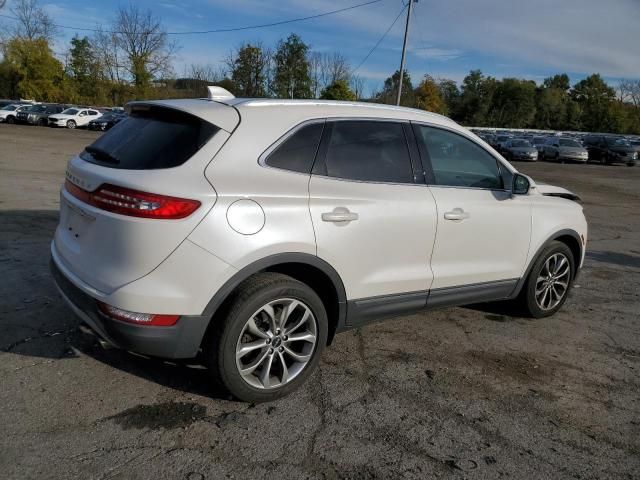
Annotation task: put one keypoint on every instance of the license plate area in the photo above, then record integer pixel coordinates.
(76, 221)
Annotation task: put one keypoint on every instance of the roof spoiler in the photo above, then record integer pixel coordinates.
(219, 93)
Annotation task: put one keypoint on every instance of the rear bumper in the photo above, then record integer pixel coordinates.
(181, 340)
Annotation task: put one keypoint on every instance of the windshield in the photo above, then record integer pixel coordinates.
(150, 139)
(70, 111)
(619, 142)
(569, 143)
(37, 108)
(502, 138)
(520, 143)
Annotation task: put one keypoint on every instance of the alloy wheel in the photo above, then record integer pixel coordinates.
(552, 283)
(276, 343)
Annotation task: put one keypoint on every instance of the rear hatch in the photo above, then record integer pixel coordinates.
(131, 197)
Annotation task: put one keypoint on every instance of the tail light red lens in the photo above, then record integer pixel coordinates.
(134, 203)
(137, 318)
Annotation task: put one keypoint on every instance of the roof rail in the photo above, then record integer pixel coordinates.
(219, 93)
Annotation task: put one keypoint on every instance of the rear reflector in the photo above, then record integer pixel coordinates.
(134, 203)
(137, 318)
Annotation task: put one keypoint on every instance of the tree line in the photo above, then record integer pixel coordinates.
(132, 57)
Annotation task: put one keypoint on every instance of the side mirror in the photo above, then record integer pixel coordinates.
(520, 185)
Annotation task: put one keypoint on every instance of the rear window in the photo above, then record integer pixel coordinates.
(151, 138)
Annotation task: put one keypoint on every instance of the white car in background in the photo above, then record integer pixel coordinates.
(8, 112)
(247, 232)
(73, 117)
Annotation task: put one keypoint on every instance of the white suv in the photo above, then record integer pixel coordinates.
(73, 117)
(248, 232)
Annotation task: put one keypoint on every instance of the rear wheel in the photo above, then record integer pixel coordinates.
(549, 281)
(71, 124)
(604, 158)
(270, 339)
(42, 122)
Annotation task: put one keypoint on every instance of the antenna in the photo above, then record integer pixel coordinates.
(219, 93)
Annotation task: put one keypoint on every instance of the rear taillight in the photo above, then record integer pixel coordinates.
(134, 203)
(137, 318)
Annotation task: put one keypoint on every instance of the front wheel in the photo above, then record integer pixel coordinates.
(11, 119)
(549, 281)
(71, 124)
(270, 340)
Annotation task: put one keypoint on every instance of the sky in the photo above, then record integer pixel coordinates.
(530, 39)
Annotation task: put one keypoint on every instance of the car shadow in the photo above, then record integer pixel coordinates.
(36, 322)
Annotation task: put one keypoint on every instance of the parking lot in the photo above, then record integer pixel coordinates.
(464, 392)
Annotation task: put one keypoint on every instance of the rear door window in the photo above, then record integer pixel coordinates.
(150, 138)
(368, 151)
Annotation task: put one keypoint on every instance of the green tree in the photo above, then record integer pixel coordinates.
(39, 74)
(249, 69)
(513, 103)
(476, 99)
(389, 92)
(84, 69)
(339, 90)
(428, 96)
(291, 76)
(451, 95)
(560, 82)
(595, 98)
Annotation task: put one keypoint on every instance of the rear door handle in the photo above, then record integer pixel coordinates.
(457, 214)
(339, 214)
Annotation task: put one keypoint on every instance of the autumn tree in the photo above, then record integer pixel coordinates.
(428, 96)
(38, 74)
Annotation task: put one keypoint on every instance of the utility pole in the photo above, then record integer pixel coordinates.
(404, 49)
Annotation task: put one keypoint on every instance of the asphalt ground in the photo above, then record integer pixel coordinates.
(460, 393)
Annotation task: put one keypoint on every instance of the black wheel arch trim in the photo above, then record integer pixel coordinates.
(545, 244)
(274, 260)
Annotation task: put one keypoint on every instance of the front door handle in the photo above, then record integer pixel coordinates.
(457, 214)
(339, 214)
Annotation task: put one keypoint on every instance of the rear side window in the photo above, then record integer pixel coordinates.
(369, 151)
(149, 139)
(457, 161)
(298, 151)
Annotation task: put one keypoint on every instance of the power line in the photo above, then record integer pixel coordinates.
(379, 41)
(220, 30)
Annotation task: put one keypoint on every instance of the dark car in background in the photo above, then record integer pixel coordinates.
(38, 114)
(106, 121)
(519, 149)
(608, 149)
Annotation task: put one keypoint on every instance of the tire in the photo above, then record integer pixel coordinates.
(604, 158)
(10, 119)
(532, 300)
(71, 124)
(246, 320)
(42, 122)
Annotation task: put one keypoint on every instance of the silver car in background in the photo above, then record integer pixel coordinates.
(563, 149)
